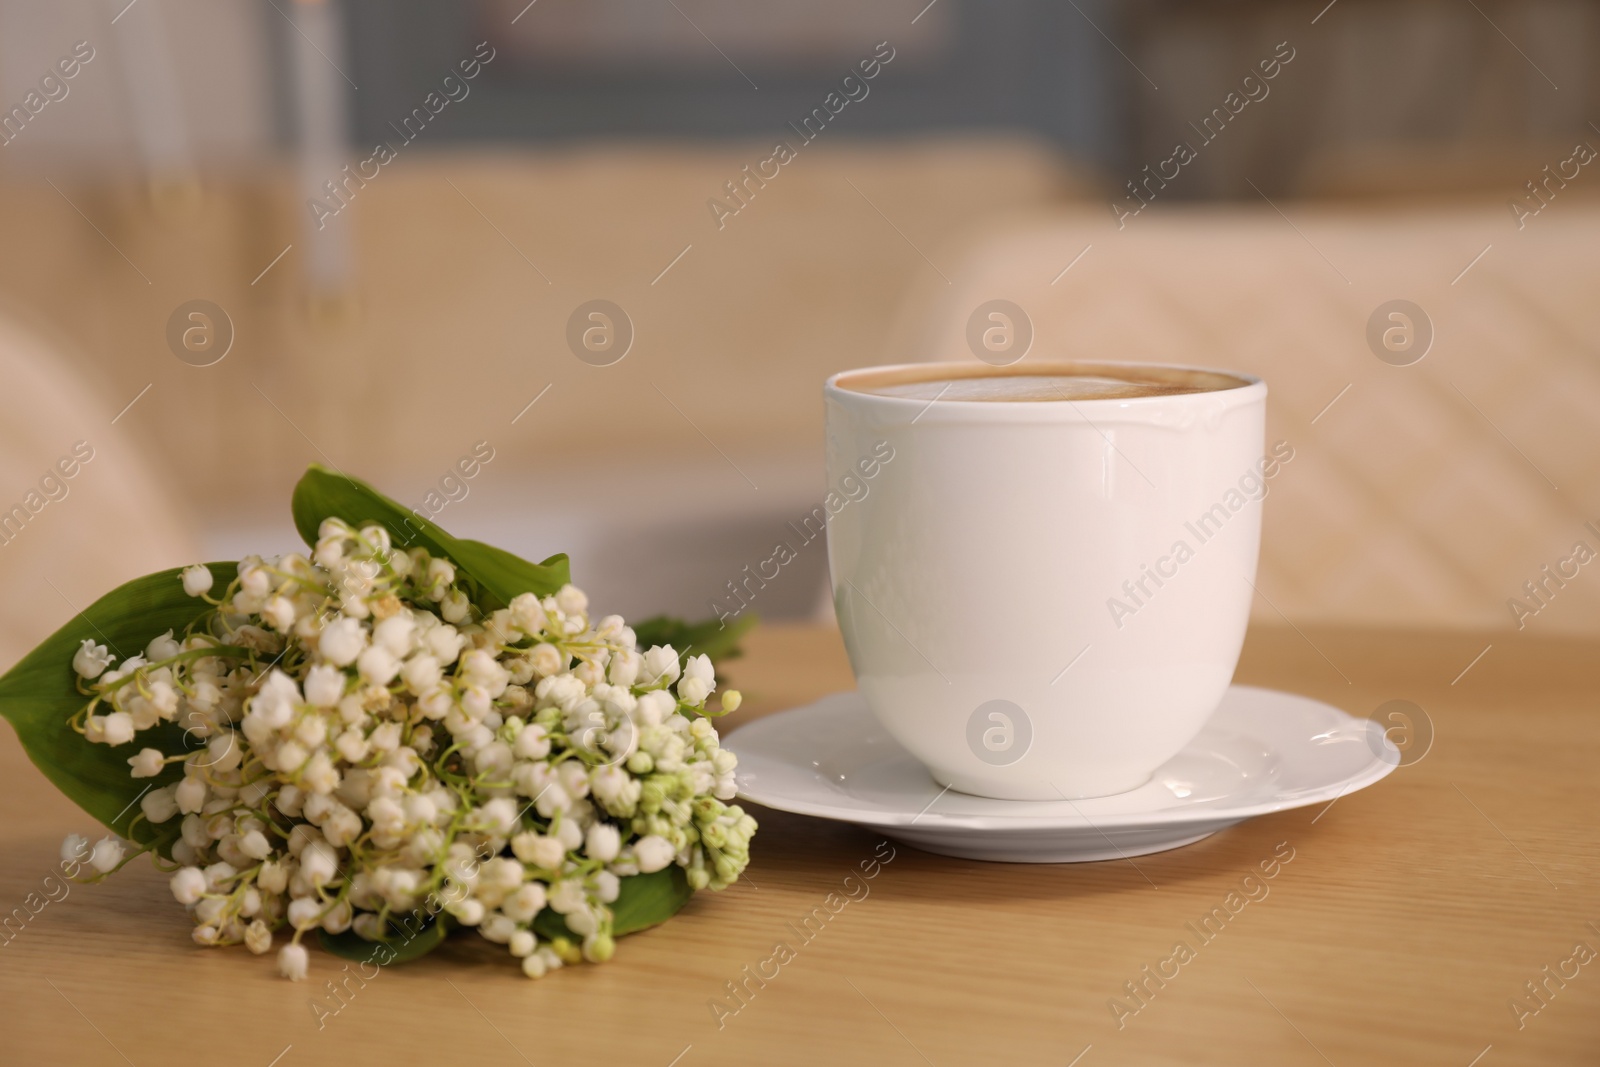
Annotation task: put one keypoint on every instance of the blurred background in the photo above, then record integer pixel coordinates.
(241, 236)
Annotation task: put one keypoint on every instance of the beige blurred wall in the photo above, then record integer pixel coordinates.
(467, 267)
(465, 270)
(1427, 494)
(1408, 506)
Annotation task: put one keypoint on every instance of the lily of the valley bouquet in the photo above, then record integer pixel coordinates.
(395, 735)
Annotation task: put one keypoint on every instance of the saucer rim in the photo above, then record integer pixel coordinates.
(1069, 819)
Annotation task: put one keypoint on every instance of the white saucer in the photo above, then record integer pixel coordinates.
(1262, 751)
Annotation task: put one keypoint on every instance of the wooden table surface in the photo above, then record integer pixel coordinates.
(1408, 921)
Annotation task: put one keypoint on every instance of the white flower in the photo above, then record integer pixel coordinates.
(148, 763)
(187, 885)
(210, 911)
(533, 743)
(163, 698)
(273, 877)
(570, 834)
(317, 863)
(654, 708)
(421, 810)
(567, 896)
(118, 728)
(91, 660)
(574, 779)
(444, 642)
(386, 738)
(455, 607)
(660, 665)
(219, 875)
(700, 667)
(254, 580)
(274, 703)
(250, 902)
(523, 943)
(223, 753)
(289, 757)
(607, 886)
(496, 928)
(378, 665)
(205, 696)
(330, 548)
(190, 795)
(376, 537)
(255, 845)
(422, 674)
(527, 614)
(698, 681)
(494, 759)
(401, 888)
(342, 641)
(74, 848)
(279, 612)
(324, 685)
(197, 580)
(193, 829)
(560, 690)
(163, 647)
(108, 852)
(468, 912)
(731, 700)
(571, 600)
(624, 667)
(603, 842)
(352, 745)
(499, 816)
(481, 669)
(293, 962)
(319, 775)
(341, 827)
(525, 902)
(338, 918)
(538, 850)
(305, 913)
(547, 659)
(693, 691)
(396, 633)
(440, 576)
(258, 938)
(653, 852)
(616, 790)
(551, 799)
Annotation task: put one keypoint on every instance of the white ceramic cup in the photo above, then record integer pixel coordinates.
(1045, 599)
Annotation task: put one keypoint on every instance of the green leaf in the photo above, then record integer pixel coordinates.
(39, 696)
(496, 574)
(402, 946)
(645, 900)
(712, 638)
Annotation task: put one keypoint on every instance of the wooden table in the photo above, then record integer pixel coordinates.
(1408, 921)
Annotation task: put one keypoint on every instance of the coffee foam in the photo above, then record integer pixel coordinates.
(1060, 382)
(1030, 387)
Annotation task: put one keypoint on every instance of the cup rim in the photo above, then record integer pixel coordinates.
(1252, 387)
